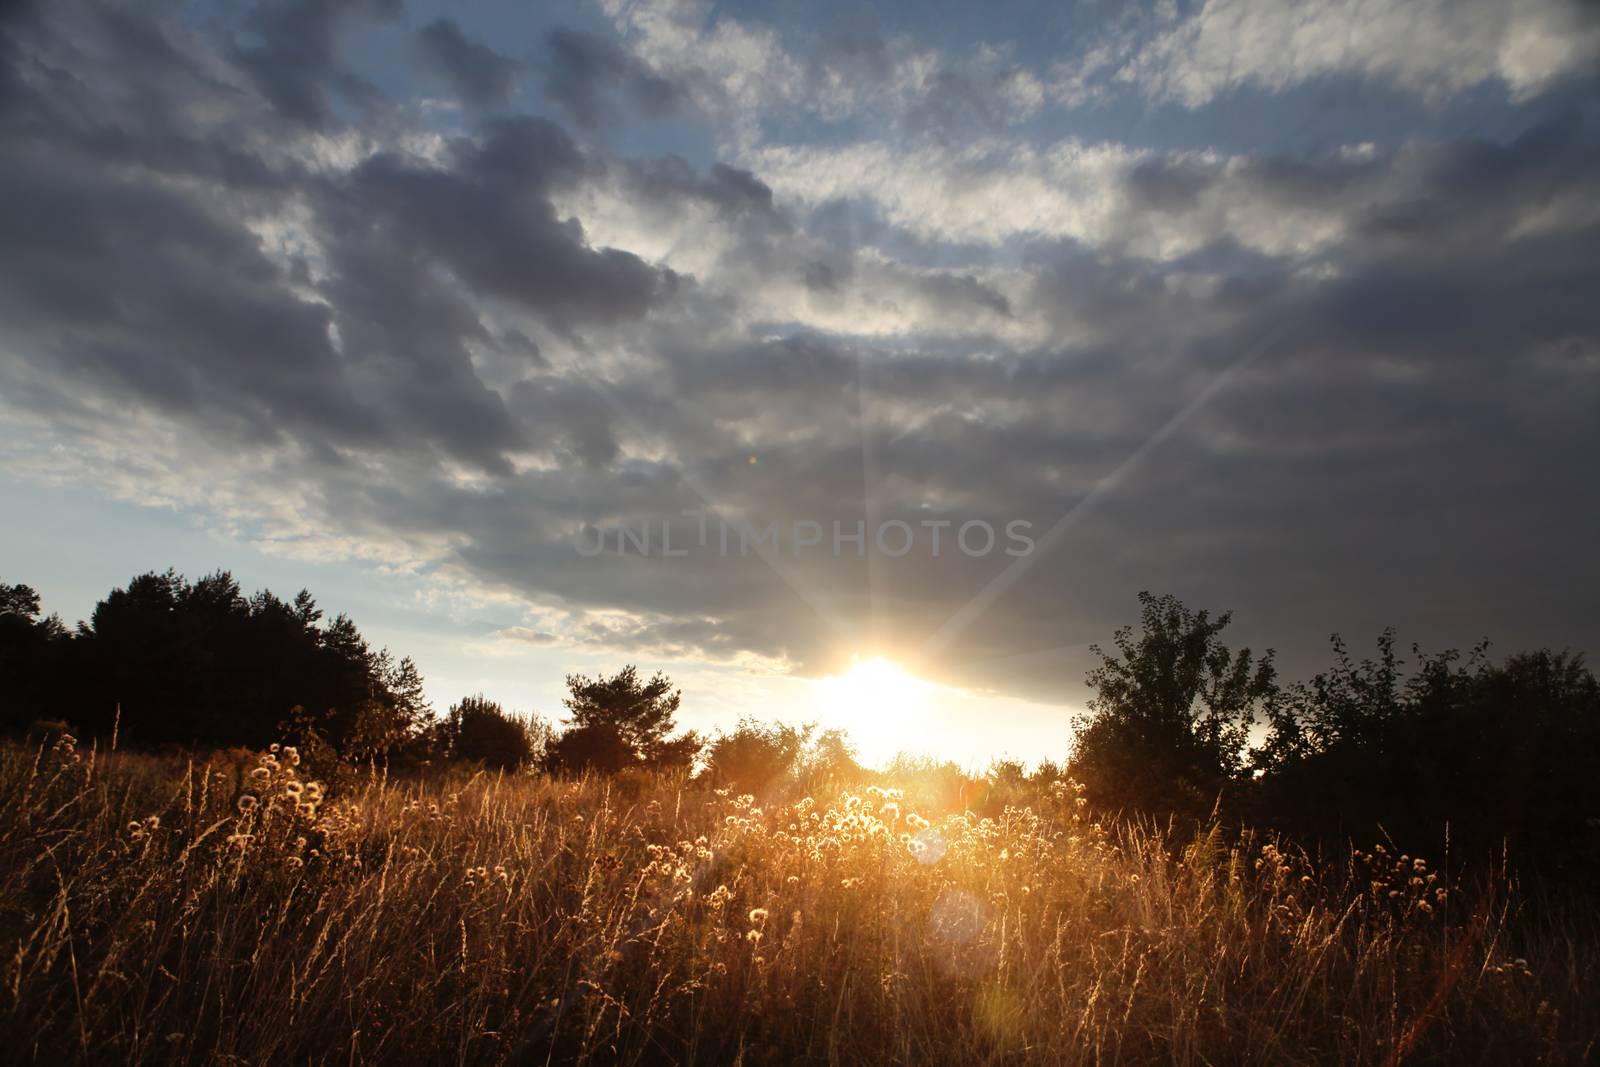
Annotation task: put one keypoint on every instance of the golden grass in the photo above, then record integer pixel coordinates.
(149, 912)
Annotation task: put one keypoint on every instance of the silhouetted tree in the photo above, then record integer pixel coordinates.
(1507, 755)
(30, 650)
(598, 747)
(621, 722)
(1171, 713)
(199, 662)
(480, 730)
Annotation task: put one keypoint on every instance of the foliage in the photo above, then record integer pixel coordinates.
(620, 722)
(481, 731)
(30, 654)
(1499, 756)
(771, 758)
(1169, 722)
(199, 662)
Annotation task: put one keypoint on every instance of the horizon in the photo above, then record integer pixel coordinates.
(886, 356)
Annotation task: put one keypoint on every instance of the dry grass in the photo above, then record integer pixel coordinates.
(146, 917)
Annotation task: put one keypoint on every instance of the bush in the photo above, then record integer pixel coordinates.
(481, 731)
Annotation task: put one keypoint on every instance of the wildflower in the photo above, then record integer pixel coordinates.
(292, 788)
(153, 823)
(247, 803)
(754, 937)
(758, 915)
(292, 754)
(260, 774)
(916, 822)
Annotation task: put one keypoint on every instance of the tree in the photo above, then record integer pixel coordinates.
(1506, 755)
(199, 662)
(755, 756)
(758, 757)
(598, 748)
(18, 601)
(30, 650)
(1168, 724)
(480, 730)
(620, 722)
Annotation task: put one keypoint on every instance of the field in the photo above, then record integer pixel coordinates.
(230, 910)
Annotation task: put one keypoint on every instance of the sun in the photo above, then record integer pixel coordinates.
(878, 704)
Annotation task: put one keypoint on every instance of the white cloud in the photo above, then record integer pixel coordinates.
(992, 191)
(986, 191)
(1432, 47)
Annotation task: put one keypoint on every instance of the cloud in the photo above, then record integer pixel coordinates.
(586, 75)
(350, 333)
(1433, 47)
(478, 74)
(291, 52)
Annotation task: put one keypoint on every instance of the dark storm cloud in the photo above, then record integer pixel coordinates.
(478, 74)
(291, 51)
(427, 344)
(590, 77)
(732, 192)
(133, 271)
(160, 296)
(489, 217)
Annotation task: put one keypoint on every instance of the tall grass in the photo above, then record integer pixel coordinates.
(161, 910)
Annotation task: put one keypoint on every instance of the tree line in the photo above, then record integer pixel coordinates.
(1391, 746)
(169, 661)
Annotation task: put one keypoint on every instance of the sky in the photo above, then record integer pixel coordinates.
(547, 338)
